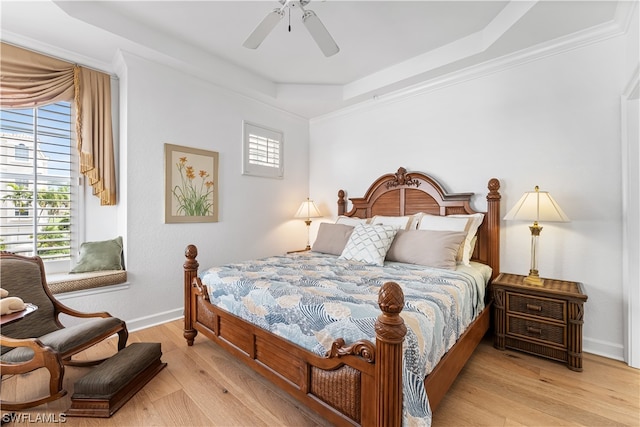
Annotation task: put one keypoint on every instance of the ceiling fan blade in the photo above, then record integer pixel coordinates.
(319, 33)
(263, 29)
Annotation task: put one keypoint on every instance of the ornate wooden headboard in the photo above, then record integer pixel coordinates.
(403, 193)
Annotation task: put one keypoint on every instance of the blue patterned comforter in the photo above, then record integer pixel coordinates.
(312, 299)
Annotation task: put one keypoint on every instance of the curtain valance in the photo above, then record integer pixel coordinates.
(29, 80)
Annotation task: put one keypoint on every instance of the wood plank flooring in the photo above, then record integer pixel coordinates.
(204, 386)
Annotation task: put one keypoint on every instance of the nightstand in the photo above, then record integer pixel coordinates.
(543, 320)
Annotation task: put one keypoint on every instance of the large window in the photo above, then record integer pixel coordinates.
(36, 165)
(263, 151)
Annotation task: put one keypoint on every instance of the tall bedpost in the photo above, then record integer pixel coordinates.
(493, 223)
(341, 202)
(390, 332)
(190, 272)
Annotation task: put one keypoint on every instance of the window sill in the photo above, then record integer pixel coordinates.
(65, 283)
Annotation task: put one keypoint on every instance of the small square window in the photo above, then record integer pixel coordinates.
(263, 151)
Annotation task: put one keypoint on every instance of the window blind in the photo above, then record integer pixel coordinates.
(36, 166)
(263, 151)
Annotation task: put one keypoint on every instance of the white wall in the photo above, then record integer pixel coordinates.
(162, 105)
(554, 122)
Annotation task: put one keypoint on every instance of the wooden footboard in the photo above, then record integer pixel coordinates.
(343, 387)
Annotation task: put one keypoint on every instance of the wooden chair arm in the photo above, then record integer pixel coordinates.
(33, 343)
(61, 308)
(43, 357)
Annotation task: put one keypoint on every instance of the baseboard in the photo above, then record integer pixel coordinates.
(603, 348)
(154, 319)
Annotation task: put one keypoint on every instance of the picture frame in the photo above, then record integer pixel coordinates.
(191, 185)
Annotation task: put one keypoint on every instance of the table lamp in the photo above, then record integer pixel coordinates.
(308, 210)
(536, 206)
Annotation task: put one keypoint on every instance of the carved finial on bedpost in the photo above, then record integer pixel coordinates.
(342, 204)
(493, 225)
(493, 186)
(190, 272)
(390, 332)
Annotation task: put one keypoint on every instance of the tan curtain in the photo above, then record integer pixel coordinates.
(93, 125)
(29, 79)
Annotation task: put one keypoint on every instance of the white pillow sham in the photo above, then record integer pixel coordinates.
(457, 222)
(475, 220)
(407, 222)
(352, 221)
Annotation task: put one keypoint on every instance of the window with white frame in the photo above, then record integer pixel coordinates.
(36, 181)
(263, 151)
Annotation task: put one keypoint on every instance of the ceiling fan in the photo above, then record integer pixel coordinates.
(315, 27)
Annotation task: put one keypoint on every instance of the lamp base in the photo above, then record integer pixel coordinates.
(533, 279)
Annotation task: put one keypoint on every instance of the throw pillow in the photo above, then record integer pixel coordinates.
(332, 238)
(426, 247)
(97, 256)
(447, 223)
(369, 243)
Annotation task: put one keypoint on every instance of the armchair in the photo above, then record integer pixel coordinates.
(40, 340)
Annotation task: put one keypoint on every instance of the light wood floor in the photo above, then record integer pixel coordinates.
(203, 386)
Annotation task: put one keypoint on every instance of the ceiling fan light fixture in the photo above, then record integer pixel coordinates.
(264, 28)
(319, 33)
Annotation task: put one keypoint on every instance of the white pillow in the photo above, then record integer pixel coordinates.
(447, 223)
(475, 220)
(369, 243)
(407, 222)
(352, 221)
(456, 222)
(442, 223)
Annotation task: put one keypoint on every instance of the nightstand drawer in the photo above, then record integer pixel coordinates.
(546, 332)
(535, 306)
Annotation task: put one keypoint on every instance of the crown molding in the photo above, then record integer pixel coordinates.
(56, 52)
(617, 27)
(625, 12)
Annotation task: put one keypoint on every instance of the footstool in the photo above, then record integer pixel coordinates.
(111, 384)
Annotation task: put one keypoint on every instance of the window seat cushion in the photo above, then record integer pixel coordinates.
(60, 283)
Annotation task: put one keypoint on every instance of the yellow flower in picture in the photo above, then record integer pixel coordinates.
(194, 198)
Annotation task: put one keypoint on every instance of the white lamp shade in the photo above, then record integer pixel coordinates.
(537, 206)
(308, 209)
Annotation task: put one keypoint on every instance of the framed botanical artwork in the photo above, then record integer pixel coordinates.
(191, 185)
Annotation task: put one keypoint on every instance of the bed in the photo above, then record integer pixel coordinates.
(355, 381)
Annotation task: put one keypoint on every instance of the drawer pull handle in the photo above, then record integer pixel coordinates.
(534, 307)
(533, 330)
